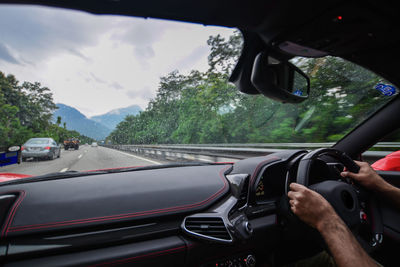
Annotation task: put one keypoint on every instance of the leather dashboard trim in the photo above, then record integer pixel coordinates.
(143, 256)
(165, 251)
(149, 255)
(12, 211)
(9, 228)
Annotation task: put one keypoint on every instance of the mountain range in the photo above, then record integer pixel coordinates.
(97, 127)
(115, 116)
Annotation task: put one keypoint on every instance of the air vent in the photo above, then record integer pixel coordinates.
(207, 227)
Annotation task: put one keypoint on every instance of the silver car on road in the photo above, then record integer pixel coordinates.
(41, 148)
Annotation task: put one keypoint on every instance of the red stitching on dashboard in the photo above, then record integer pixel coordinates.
(149, 255)
(13, 210)
(123, 216)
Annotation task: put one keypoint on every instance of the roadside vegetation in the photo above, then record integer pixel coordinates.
(203, 107)
(26, 111)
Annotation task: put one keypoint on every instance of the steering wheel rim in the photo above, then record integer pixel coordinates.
(303, 177)
(303, 171)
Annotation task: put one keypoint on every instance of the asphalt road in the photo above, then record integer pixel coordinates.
(84, 159)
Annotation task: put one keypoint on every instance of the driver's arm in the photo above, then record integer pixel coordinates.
(368, 178)
(313, 209)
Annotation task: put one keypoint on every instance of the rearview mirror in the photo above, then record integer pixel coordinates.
(279, 79)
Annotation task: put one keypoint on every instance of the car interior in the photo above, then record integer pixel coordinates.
(220, 214)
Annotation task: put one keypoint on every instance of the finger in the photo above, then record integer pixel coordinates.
(349, 174)
(291, 202)
(362, 164)
(293, 208)
(359, 163)
(293, 195)
(296, 187)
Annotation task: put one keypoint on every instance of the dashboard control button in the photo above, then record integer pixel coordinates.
(363, 216)
(248, 227)
(250, 261)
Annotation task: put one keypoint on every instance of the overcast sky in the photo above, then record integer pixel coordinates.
(98, 63)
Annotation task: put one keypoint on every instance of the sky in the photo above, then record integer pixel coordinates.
(98, 63)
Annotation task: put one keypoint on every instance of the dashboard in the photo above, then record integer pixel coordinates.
(225, 211)
(255, 203)
(202, 215)
(250, 211)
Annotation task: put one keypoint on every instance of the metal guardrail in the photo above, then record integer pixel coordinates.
(276, 145)
(234, 152)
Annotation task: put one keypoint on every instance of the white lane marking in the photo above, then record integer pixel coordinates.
(80, 156)
(151, 161)
(64, 170)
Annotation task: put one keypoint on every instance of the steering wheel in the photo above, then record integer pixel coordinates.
(346, 197)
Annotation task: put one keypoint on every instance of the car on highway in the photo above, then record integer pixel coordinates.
(390, 162)
(10, 155)
(206, 123)
(41, 148)
(71, 143)
(94, 144)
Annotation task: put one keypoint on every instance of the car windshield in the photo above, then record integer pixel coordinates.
(119, 91)
(38, 141)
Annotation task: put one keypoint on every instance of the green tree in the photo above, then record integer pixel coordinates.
(206, 108)
(26, 111)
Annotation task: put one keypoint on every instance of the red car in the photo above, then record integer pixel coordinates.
(389, 163)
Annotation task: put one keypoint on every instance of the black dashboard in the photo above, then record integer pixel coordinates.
(252, 210)
(207, 215)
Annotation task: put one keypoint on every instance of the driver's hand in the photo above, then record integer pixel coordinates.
(366, 177)
(309, 206)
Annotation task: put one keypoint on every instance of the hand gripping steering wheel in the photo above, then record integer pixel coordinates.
(350, 201)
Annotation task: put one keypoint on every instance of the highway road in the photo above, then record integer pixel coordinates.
(84, 159)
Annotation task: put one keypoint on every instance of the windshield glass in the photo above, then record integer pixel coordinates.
(123, 92)
(38, 141)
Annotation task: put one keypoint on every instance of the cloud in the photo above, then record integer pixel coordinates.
(131, 94)
(32, 33)
(141, 35)
(5, 55)
(144, 53)
(113, 84)
(37, 34)
(116, 86)
(144, 93)
(191, 59)
(97, 79)
(109, 61)
(78, 54)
